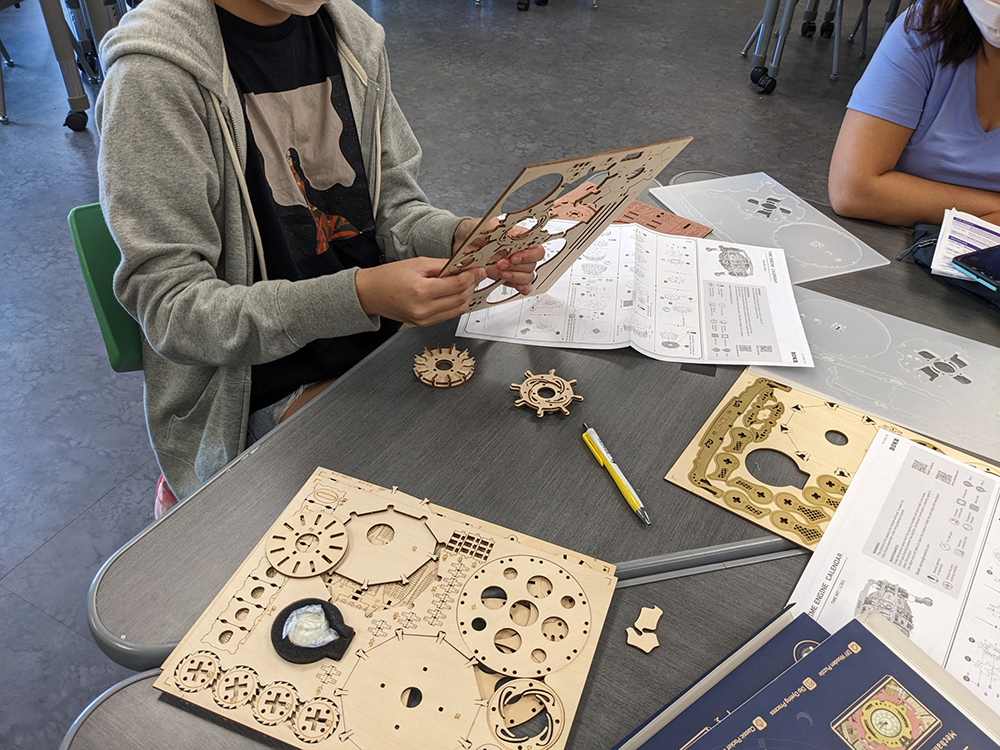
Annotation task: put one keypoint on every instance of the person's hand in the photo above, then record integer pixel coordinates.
(411, 292)
(517, 271)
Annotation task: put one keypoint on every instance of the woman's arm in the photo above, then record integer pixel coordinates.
(864, 185)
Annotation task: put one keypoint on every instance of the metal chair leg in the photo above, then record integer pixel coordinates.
(838, 19)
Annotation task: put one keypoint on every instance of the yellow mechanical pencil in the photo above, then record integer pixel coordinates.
(604, 459)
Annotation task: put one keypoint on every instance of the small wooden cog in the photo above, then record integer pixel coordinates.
(443, 368)
(546, 394)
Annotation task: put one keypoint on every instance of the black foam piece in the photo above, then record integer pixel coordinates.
(303, 654)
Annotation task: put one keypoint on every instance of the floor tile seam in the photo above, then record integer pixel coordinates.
(79, 515)
(43, 612)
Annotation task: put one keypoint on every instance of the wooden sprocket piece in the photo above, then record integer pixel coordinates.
(307, 543)
(546, 394)
(443, 368)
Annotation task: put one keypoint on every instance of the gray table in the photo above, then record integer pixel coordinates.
(470, 449)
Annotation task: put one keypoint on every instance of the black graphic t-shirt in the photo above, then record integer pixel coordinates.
(306, 178)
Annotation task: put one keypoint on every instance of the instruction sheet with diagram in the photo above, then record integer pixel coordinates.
(673, 298)
(916, 539)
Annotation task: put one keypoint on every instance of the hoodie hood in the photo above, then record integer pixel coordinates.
(186, 33)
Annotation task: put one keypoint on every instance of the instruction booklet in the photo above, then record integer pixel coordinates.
(672, 298)
(916, 539)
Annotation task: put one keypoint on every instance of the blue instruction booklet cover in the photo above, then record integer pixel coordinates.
(736, 678)
(866, 687)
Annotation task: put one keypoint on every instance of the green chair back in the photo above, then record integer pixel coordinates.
(99, 257)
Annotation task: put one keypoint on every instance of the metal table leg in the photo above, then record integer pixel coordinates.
(62, 45)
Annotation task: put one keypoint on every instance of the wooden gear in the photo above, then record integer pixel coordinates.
(762, 413)
(628, 173)
(534, 393)
(411, 580)
(444, 368)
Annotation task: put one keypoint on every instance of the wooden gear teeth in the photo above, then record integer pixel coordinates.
(444, 368)
(307, 544)
(532, 395)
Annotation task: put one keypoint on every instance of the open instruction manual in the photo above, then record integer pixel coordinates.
(676, 299)
(916, 539)
(961, 233)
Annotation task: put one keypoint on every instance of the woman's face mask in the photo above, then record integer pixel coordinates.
(296, 7)
(986, 14)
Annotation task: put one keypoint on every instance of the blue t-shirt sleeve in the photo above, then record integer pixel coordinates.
(894, 86)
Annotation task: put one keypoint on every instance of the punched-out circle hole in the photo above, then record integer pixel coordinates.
(539, 586)
(479, 624)
(510, 574)
(538, 655)
(443, 364)
(493, 597)
(555, 628)
(411, 697)
(241, 613)
(546, 392)
(835, 437)
(568, 602)
(523, 613)
(306, 542)
(381, 533)
(507, 641)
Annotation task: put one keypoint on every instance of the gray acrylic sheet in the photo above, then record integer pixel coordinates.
(755, 209)
(938, 384)
(705, 617)
(466, 448)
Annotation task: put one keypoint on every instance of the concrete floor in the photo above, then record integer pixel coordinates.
(487, 90)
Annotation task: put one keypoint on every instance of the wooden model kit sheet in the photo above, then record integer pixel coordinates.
(505, 229)
(455, 633)
(825, 439)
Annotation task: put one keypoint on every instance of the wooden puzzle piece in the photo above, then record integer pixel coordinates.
(546, 394)
(645, 642)
(825, 440)
(475, 637)
(498, 235)
(444, 368)
(648, 618)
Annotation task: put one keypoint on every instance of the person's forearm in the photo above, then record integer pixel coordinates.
(902, 199)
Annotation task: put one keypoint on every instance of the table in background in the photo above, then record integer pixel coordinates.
(470, 449)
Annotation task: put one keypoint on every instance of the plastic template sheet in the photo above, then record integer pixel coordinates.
(755, 209)
(938, 384)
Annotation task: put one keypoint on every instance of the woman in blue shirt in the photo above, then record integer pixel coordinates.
(922, 129)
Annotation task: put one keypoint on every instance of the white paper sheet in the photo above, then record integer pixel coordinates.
(676, 299)
(961, 233)
(917, 539)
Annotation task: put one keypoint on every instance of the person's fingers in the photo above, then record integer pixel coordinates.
(445, 307)
(458, 283)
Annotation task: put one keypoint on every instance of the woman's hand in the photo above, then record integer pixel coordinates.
(517, 271)
(411, 292)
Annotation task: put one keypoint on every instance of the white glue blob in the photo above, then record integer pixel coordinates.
(308, 627)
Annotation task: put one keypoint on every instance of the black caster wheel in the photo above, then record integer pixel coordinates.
(826, 29)
(757, 73)
(9, 63)
(76, 121)
(808, 28)
(766, 84)
(523, 4)
(541, 2)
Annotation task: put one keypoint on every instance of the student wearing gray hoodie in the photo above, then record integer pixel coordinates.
(261, 182)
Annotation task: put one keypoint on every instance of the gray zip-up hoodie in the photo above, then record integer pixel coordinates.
(170, 195)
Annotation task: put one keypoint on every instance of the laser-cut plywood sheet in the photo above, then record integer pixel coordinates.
(941, 385)
(620, 177)
(825, 439)
(467, 635)
(755, 209)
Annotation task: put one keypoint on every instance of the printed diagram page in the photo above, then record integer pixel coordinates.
(961, 233)
(589, 307)
(700, 300)
(916, 539)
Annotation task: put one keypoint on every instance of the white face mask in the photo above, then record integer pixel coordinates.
(296, 7)
(986, 14)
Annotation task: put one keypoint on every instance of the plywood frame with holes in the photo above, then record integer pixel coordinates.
(629, 171)
(825, 439)
(464, 630)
